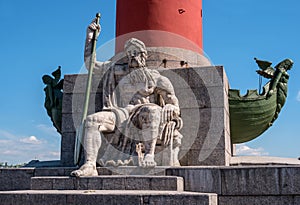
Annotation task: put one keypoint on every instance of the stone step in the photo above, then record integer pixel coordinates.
(122, 170)
(93, 197)
(171, 183)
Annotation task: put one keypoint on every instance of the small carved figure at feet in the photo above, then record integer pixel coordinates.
(175, 153)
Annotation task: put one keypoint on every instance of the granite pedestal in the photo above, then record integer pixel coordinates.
(202, 94)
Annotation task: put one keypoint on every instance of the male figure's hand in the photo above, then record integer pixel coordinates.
(169, 112)
(92, 28)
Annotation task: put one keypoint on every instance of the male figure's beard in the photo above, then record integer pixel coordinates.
(137, 62)
(141, 75)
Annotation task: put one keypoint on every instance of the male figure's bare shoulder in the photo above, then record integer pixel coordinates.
(162, 82)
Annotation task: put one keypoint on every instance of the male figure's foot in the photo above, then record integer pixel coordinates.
(148, 161)
(176, 163)
(87, 169)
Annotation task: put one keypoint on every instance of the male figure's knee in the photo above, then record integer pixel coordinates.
(154, 113)
(102, 121)
(92, 121)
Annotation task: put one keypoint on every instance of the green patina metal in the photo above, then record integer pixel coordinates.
(253, 113)
(53, 97)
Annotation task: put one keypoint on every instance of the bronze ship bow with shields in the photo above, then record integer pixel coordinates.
(253, 113)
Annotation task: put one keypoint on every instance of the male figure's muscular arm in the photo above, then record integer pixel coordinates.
(100, 67)
(165, 88)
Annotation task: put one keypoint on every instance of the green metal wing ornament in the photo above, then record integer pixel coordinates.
(253, 113)
(53, 97)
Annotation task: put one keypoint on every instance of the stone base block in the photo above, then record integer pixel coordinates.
(15, 179)
(254, 200)
(171, 183)
(241, 180)
(95, 197)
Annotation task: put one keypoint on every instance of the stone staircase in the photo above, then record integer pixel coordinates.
(106, 189)
(235, 185)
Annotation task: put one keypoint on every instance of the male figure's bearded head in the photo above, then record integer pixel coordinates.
(136, 53)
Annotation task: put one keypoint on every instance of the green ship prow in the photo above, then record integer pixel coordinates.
(252, 114)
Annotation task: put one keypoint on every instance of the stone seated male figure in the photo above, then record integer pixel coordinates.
(139, 104)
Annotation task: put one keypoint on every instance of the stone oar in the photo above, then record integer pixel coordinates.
(80, 129)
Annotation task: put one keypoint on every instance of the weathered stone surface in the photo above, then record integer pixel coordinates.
(171, 183)
(251, 181)
(91, 197)
(66, 158)
(202, 97)
(206, 157)
(296, 200)
(209, 76)
(132, 170)
(15, 179)
(65, 171)
(68, 124)
(199, 179)
(290, 180)
(191, 98)
(263, 161)
(263, 182)
(69, 83)
(53, 171)
(77, 83)
(73, 103)
(217, 157)
(211, 134)
(172, 54)
(178, 77)
(210, 131)
(68, 142)
(256, 200)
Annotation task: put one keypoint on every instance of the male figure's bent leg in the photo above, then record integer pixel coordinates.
(99, 122)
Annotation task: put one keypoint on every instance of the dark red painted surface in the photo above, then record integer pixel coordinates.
(182, 18)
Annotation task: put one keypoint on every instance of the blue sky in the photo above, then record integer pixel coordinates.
(37, 35)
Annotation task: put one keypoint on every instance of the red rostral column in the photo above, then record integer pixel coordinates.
(160, 23)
